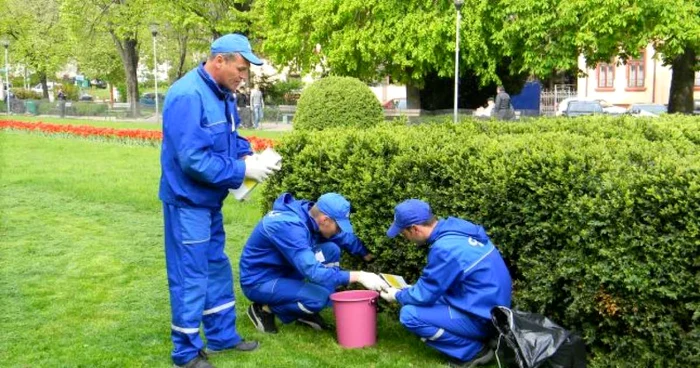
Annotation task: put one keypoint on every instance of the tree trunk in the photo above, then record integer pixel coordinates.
(130, 59)
(44, 85)
(412, 97)
(682, 80)
(183, 56)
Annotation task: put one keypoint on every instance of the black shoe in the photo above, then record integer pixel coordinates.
(483, 357)
(241, 346)
(263, 321)
(199, 362)
(315, 321)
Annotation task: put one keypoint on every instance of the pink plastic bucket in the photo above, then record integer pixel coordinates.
(356, 317)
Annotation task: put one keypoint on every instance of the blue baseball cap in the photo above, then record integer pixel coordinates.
(407, 213)
(235, 42)
(336, 207)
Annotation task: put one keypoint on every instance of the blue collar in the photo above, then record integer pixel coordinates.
(221, 93)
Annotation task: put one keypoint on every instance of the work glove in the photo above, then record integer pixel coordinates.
(372, 281)
(258, 170)
(389, 294)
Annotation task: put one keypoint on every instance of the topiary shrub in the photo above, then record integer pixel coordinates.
(337, 102)
(27, 94)
(597, 218)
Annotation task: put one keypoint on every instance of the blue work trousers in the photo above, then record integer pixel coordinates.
(200, 281)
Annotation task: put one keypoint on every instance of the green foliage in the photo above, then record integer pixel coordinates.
(70, 90)
(121, 88)
(337, 101)
(87, 109)
(597, 218)
(26, 94)
(278, 93)
(372, 39)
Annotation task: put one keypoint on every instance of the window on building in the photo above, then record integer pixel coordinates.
(635, 72)
(606, 75)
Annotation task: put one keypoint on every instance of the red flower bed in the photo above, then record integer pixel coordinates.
(154, 136)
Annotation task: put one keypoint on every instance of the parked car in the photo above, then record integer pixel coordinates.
(607, 107)
(696, 111)
(149, 99)
(395, 104)
(648, 110)
(85, 97)
(611, 109)
(97, 83)
(49, 86)
(580, 108)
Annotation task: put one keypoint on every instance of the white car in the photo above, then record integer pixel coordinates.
(608, 108)
(39, 89)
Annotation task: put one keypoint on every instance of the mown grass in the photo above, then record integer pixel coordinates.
(83, 272)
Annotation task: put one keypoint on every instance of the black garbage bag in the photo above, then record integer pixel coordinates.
(536, 341)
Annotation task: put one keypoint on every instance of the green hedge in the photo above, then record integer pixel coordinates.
(598, 218)
(335, 102)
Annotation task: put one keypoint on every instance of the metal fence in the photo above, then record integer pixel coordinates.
(77, 109)
(550, 99)
(283, 114)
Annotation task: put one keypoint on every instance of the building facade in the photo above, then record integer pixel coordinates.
(642, 80)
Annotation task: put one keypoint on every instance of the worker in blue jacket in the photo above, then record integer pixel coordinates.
(281, 271)
(450, 305)
(328, 251)
(202, 157)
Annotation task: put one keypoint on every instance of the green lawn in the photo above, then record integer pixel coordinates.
(125, 124)
(83, 272)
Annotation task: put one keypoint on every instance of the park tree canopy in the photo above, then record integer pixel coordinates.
(409, 40)
(372, 39)
(35, 32)
(546, 35)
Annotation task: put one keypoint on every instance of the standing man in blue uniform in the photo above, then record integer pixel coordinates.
(450, 305)
(281, 269)
(202, 157)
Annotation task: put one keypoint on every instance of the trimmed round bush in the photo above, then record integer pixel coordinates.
(337, 102)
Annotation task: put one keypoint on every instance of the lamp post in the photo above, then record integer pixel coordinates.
(458, 7)
(154, 32)
(6, 44)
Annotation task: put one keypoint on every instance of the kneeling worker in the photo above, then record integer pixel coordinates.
(280, 269)
(450, 305)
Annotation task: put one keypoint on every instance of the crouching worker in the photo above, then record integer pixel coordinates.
(449, 307)
(281, 269)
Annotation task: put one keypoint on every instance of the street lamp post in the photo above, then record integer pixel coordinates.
(458, 7)
(6, 44)
(154, 32)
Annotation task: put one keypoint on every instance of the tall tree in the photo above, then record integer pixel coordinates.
(371, 39)
(124, 22)
(547, 35)
(191, 27)
(37, 36)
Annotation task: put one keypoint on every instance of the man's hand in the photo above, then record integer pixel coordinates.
(389, 294)
(257, 170)
(372, 281)
(369, 257)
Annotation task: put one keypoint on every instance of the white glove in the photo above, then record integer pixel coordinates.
(389, 294)
(372, 281)
(257, 170)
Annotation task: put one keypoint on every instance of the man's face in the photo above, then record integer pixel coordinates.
(413, 234)
(232, 72)
(328, 227)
